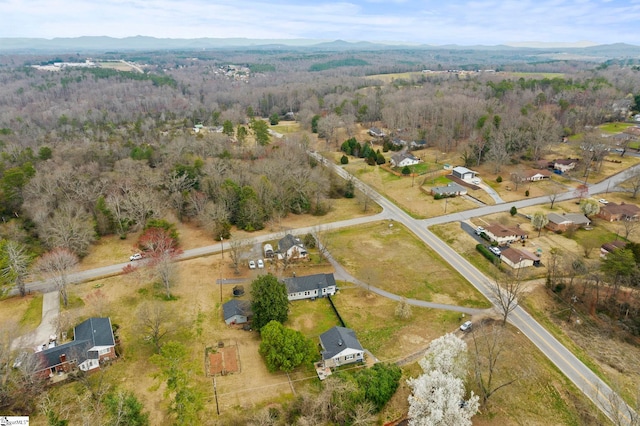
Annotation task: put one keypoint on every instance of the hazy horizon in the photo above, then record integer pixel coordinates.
(471, 22)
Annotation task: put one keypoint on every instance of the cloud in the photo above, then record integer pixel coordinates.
(426, 21)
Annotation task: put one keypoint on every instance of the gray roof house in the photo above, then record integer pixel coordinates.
(237, 311)
(449, 190)
(340, 346)
(404, 158)
(310, 286)
(376, 133)
(564, 222)
(93, 342)
(291, 247)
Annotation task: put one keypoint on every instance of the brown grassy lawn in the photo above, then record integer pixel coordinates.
(395, 260)
(111, 249)
(541, 396)
(410, 198)
(594, 340)
(21, 314)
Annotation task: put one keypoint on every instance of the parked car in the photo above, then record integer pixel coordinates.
(494, 250)
(603, 201)
(137, 256)
(475, 181)
(479, 230)
(466, 326)
(252, 264)
(260, 264)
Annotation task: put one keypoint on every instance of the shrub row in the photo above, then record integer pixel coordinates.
(487, 254)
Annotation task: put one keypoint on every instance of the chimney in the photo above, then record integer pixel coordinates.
(63, 358)
(339, 342)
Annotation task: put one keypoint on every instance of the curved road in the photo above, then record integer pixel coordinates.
(591, 385)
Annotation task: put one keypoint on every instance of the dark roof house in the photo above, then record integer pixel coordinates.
(237, 311)
(292, 247)
(310, 286)
(340, 346)
(93, 342)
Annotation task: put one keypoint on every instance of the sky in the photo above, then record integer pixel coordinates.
(437, 22)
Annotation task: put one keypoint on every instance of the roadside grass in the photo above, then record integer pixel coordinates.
(549, 325)
(540, 393)
(32, 316)
(412, 199)
(398, 262)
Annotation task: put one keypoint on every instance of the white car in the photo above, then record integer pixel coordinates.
(495, 250)
(475, 181)
(252, 264)
(137, 256)
(603, 201)
(479, 230)
(466, 326)
(260, 264)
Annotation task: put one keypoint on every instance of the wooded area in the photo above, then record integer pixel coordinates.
(91, 152)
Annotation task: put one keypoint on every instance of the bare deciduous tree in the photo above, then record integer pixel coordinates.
(506, 295)
(488, 343)
(161, 252)
(16, 266)
(237, 249)
(154, 319)
(56, 266)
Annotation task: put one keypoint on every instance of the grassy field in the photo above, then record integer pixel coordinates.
(614, 128)
(400, 263)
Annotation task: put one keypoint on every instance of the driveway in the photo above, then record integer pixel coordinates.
(492, 193)
(40, 336)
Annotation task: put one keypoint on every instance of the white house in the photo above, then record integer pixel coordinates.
(310, 286)
(404, 158)
(463, 173)
(236, 311)
(565, 165)
(291, 247)
(340, 346)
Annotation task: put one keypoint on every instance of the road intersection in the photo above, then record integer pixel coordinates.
(592, 386)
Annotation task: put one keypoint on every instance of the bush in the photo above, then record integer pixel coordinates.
(499, 179)
(526, 193)
(344, 160)
(513, 211)
(487, 254)
(406, 171)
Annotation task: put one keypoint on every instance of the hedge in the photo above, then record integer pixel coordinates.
(487, 254)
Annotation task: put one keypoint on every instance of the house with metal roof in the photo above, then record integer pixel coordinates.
(340, 346)
(310, 286)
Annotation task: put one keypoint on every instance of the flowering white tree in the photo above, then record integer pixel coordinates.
(437, 396)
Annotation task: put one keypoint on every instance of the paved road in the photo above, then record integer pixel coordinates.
(590, 384)
(111, 270)
(583, 378)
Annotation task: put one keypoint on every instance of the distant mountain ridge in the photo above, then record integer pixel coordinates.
(100, 44)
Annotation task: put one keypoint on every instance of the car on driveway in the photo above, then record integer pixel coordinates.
(260, 264)
(479, 230)
(137, 256)
(495, 250)
(252, 264)
(466, 326)
(603, 201)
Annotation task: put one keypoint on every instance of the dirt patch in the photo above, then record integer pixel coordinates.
(223, 361)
